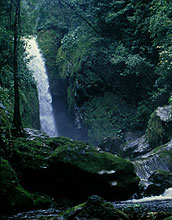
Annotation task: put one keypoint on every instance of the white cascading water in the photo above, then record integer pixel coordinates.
(37, 66)
(165, 196)
(146, 166)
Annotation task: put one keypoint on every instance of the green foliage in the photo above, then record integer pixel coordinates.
(108, 115)
(136, 74)
(170, 100)
(163, 84)
(160, 28)
(27, 89)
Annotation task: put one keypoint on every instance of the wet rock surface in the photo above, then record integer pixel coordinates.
(160, 181)
(137, 147)
(149, 206)
(164, 113)
(36, 214)
(112, 145)
(32, 134)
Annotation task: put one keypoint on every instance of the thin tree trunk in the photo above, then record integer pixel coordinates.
(17, 117)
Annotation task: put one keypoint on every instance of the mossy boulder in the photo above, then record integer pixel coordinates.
(63, 168)
(94, 208)
(159, 130)
(77, 171)
(13, 196)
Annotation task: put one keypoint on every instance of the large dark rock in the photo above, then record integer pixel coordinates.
(112, 145)
(74, 170)
(160, 180)
(133, 145)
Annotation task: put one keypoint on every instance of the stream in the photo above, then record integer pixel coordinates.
(162, 203)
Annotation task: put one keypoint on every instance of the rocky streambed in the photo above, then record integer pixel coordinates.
(51, 174)
(159, 207)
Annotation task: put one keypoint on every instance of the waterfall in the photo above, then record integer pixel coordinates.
(37, 66)
(145, 167)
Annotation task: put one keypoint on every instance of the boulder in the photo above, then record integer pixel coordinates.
(95, 208)
(159, 129)
(78, 170)
(74, 170)
(133, 145)
(112, 145)
(160, 180)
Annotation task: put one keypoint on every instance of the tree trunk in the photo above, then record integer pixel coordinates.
(17, 118)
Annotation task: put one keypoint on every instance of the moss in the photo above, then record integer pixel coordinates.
(22, 200)
(71, 211)
(155, 131)
(87, 158)
(158, 148)
(59, 141)
(42, 201)
(30, 153)
(70, 58)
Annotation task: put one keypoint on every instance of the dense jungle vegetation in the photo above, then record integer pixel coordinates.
(109, 60)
